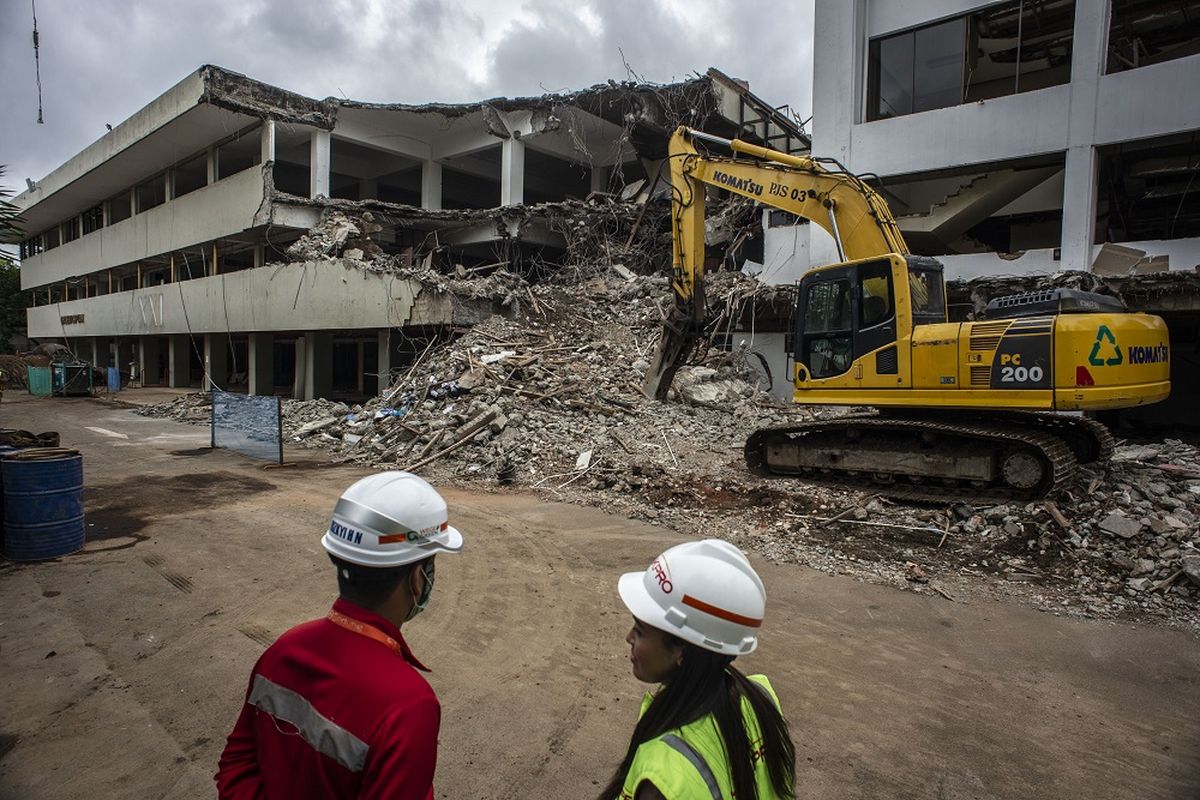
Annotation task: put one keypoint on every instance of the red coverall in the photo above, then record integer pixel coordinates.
(331, 713)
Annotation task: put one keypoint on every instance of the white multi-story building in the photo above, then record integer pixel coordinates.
(1018, 136)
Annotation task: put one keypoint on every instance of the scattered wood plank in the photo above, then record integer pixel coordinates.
(943, 593)
(1057, 515)
(472, 428)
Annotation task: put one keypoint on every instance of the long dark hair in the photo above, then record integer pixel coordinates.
(708, 683)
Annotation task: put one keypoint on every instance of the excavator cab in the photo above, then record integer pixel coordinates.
(848, 311)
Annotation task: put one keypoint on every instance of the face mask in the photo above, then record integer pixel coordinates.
(423, 600)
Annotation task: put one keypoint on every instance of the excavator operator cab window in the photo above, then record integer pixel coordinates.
(846, 313)
(827, 333)
(926, 287)
(876, 303)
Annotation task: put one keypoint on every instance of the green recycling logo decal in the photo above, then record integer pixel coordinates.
(1103, 334)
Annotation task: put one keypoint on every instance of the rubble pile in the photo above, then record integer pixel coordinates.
(549, 402)
(547, 398)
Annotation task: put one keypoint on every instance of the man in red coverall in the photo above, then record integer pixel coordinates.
(336, 707)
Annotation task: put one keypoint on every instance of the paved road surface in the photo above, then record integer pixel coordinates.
(122, 668)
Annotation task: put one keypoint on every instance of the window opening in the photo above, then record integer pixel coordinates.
(828, 343)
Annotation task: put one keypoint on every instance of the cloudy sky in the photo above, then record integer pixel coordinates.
(102, 60)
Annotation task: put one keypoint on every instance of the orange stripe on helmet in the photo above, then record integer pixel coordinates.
(716, 611)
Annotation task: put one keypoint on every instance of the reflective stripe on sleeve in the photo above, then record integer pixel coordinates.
(323, 734)
(697, 761)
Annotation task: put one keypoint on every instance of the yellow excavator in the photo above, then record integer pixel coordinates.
(953, 409)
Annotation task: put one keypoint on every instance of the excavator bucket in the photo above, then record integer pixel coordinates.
(678, 338)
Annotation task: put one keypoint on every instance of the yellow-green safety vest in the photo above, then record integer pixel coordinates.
(690, 762)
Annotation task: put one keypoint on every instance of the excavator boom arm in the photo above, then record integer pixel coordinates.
(853, 213)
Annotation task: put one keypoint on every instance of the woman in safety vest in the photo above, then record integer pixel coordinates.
(709, 732)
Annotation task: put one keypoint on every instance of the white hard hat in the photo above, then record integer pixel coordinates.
(388, 520)
(704, 592)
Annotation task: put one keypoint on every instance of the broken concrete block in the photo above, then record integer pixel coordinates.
(1190, 564)
(584, 460)
(492, 358)
(1134, 452)
(1114, 260)
(686, 376)
(1120, 525)
(317, 425)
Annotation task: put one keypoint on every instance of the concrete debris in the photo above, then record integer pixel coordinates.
(1120, 525)
(1162, 291)
(546, 397)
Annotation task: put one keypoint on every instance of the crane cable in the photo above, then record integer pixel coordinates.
(37, 65)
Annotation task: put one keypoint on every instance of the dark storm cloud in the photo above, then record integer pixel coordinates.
(769, 45)
(102, 60)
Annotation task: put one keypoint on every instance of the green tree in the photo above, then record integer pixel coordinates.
(13, 301)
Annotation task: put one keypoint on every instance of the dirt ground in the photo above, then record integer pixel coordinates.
(122, 668)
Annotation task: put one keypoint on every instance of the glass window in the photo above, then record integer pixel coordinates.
(151, 193)
(828, 307)
(118, 208)
(1003, 49)
(1140, 33)
(70, 230)
(875, 306)
(892, 73)
(191, 175)
(93, 219)
(925, 288)
(238, 154)
(828, 341)
(938, 65)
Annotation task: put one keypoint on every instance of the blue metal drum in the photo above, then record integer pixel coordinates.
(3, 450)
(43, 503)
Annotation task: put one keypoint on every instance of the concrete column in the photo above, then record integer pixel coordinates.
(260, 254)
(512, 172)
(179, 360)
(102, 352)
(358, 355)
(1089, 52)
(300, 372)
(216, 360)
(837, 95)
(318, 364)
(1080, 187)
(383, 362)
(211, 165)
(266, 138)
(149, 351)
(260, 353)
(431, 185)
(318, 163)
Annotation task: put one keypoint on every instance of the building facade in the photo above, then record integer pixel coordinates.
(1018, 136)
(168, 248)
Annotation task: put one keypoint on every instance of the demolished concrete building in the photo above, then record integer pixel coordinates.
(238, 234)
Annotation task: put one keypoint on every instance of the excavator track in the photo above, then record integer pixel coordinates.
(931, 457)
